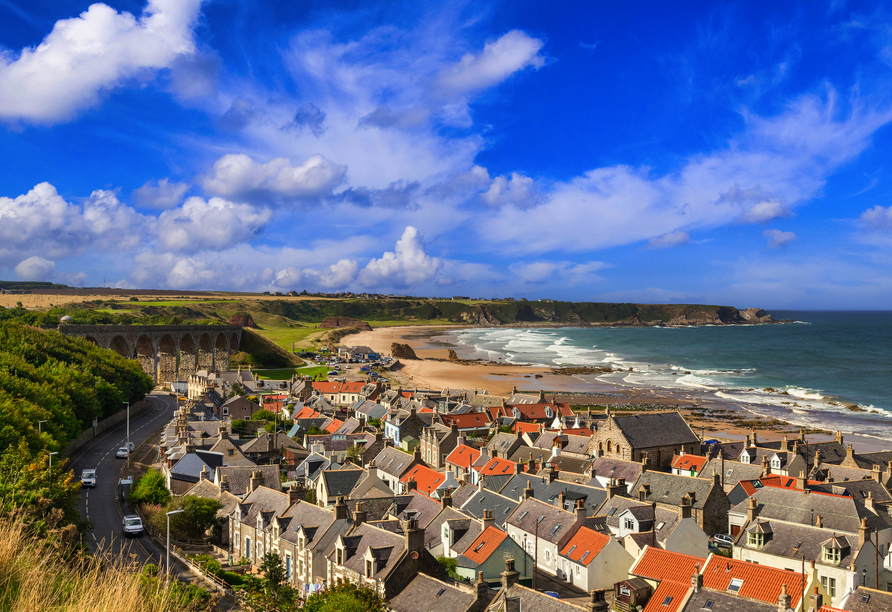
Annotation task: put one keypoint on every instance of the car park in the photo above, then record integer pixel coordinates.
(122, 453)
(132, 525)
(88, 478)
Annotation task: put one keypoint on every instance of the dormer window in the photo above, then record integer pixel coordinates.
(369, 568)
(831, 555)
(339, 556)
(744, 458)
(756, 540)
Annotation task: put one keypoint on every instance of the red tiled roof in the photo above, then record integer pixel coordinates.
(333, 426)
(658, 564)
(579, 431)
(326, 387)
(688, 462)
(537, 411)
(585, 543)
(426, 409)
(306, 413)
(830, 609)
(498, 466)
(485, 544)
(469, 420)
(427, 479)
(520, 427)
(782, 482)
(759, 581)
(668, 589)
(352, 387)
(463, 456)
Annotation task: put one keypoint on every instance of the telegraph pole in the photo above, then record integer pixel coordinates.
(536, 557)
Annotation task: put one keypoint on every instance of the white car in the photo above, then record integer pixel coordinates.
(88, 478)
(122, 453)
(132, 525)
(723, 540)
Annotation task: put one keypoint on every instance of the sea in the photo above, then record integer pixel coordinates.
(827, 370)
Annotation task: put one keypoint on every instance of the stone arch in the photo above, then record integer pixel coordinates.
(205, 353)
(187, 357)
(221, 352)
(167, 359)
(145, 353)
(119, 345)
(609, 446)
(619, 450)
(91, 339)
(233, 344)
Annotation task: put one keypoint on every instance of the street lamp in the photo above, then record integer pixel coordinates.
(128, 428)
(39, 428)
(168, 536)
(51, 459)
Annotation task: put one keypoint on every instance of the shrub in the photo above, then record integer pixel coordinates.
(150, 489)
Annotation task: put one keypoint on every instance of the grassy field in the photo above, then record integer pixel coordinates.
(284, 336)
(140, 304)
(286, 373)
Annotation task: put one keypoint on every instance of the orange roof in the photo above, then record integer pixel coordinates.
(352, 387)
(668, 597)
(427, 479)
(758, 581)
(498, 466)
(426, 409)
(326, 387)
(830, 609)
(333, 426)
(469, 420)
(658, 564)
(584, 546)
(520, 427)
(485, 544)
(463, 456)
(306, 413)
(579, 431)
(777, 481)
(688, 462)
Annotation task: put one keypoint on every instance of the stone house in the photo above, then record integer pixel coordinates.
(709, 504)
(249, 536)
(270, 447)
(427, 593)
(437, 441)
(237, 407)
(401, 424)
(334, 484)
(484, 557)
(657, 436)
(241, 480)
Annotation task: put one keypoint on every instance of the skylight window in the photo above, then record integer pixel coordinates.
(440, 592)
(479, 546)
(735, 585)
(660, 525)
(555, 529)
(581, 559)
(668, 600)
(572, 548)
(523, 514)
(708, 605)
(612, 512)
(540, 519)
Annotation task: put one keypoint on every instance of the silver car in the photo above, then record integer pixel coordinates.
(88, 478)
(723, 540)
(122, 453)
(132, 525)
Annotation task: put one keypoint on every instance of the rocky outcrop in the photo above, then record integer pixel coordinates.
(402, 351)
(756, 315)
(549, 314)
(243, 319)
(453, 356)
(482, 315)
(336, 322)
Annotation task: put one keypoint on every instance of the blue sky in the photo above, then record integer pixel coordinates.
(733, 153)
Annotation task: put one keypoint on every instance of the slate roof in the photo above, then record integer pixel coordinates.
(426, 593)
(760, 582)
(189, 468)
(530, 601)
(502, 441)
(312, 466)
(434, 529)
(468, 536)
(782, 539)
(462, 494)
(499, 505)
(263, 500)
(372, 410)
(208, 490)
(553, 523)
(342, 482)
(866, 461)
(386, 546)
(550, 492)
(312, 518)
(239, 477)
(424, 507)
(617, 468)
(651, 429)
(723, 602)
(734, 471)
(869, 600)
(232, 454)
(669, 488)
(266, 442)
(393, 462)
(792, 505)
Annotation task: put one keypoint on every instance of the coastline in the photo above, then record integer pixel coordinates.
(722, 418)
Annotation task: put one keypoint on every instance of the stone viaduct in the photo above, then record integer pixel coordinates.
(166, 352)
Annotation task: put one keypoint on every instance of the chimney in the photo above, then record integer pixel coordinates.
(819, 522)
(224, 483)
(482, 591)
(510, 576)
(495, 454)
(379, 435)
(752, 511)
(716, 478)
(644, 463)
(550, 473)
(340, 507)
(580, 512)
(816, 600)
(697, 581)
(528, 490)
(850, 453)
(748, 442)
(204, 473)
(755, 437)
(417, 453)
(293, 494)
(561, 500)
(256, 480)
(518, 467)
(838, 439)
(877, 473)
(685, 508)
(488, 520)
(222, 432)
(801, 481)
(414, 536)
(785, 445)
(784, 600)
(868, 502)
(412, 485)
(863, 533)
(597, 603)
(359, 515)
(454, 429)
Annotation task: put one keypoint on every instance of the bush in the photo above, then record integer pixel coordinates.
(264, 415)
(450, 565)
(199, 515)
(231, 578)
(150, 489)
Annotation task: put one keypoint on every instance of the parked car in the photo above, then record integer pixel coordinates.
(333, 372)
(88, 478)
(122, 453)
(723, 540)
(129, 446)
(132, 525)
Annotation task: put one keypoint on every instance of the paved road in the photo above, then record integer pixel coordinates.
(99, 504)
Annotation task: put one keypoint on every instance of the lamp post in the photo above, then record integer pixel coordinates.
(128, 428)
(168, 536)
(39, 428)
(51, 459)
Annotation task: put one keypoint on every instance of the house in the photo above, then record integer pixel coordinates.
(248, 523)
(514, 597)
(428, 593)
(644, 525)
(461, 460)
(392, 464)
(864, 599)
(428, 481)
(539, 412)
(655, 566)
(709, 504)
(401, 424)
(686, 464)
(505, 444)
(562, 443)
(659, 436)
(496, 467)
(238, 407)
(548, 488)
(269, 447)
(758, 582)
(369, 408)
(437, 441)
(382, 560)
(543, 530)
(592, 560)
(485, 556)
(333, 484)
(187, 470)
(240, 481)
(340, 393)
(605, 469)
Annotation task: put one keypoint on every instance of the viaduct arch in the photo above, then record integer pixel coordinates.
(166, 352)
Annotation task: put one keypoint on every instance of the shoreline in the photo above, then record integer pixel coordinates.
(706, 413)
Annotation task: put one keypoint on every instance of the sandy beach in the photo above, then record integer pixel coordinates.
(432, 370)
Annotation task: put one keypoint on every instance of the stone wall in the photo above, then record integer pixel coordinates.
(115, 419)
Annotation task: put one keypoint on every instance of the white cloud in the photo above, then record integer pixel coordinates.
(763, 212)
(214, 225)
(336, 276)
(499, 59)
(669, 240)
(877, 218)
(35, 268)
(161, 194)
(407, 265)
(90, 54)
(239, 177)
(778, 239)
(550, 272)
(518, 191)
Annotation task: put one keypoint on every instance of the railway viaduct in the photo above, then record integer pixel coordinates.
(166, 352)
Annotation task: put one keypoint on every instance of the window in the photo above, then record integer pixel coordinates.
(708, 605)
(555, 529)
(479, 546)
(582, 558)
(248, 548)
(288, 567)
(667, 601)
(609, 446)
(611, 512)
(548, 556)
(625, 591)
(340, 557)
(832, 555)
(735, 585)
(829, 585)
(368, 568)
(572, 548)
(628, 523)
(231, 452)
(660, 525)
(755, 539)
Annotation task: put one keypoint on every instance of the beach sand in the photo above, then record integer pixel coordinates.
(433, 371)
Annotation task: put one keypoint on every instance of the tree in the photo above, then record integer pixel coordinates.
(450, 565)
(314, 431)
(345, 597)
(264, 415)
(199, 515)
(272, 593)
(151, 488)
(355, 453)
(310, 496)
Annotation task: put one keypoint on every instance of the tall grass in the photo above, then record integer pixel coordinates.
(36, 576)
